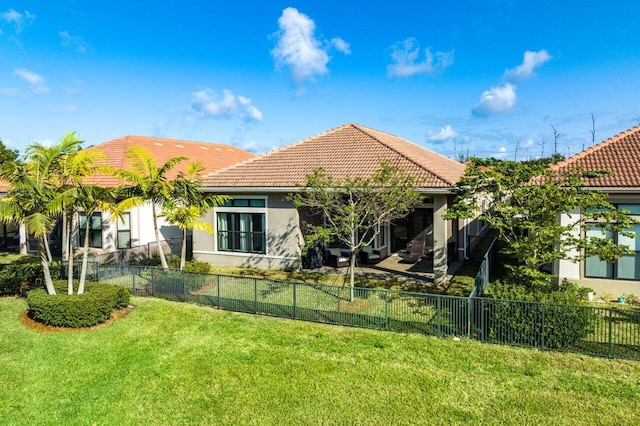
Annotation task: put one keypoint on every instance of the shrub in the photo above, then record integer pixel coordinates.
(28, 269)
(555, 319)
(197, 267)
(77, 310)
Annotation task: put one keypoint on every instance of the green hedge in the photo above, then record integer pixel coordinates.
(28, 269)
(77, 310)
(559, 319)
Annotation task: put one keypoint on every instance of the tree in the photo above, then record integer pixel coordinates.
(7, 155)
(30, 196)
(526, 201)
(148, 184)
(188, 204)
(355, 208)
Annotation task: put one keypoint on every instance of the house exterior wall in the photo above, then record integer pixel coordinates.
(283, 238)
(576, 271)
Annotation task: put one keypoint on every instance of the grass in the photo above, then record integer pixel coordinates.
(169, 363)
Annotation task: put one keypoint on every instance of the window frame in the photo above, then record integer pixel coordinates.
(92, 230)
(615, 267)
(235, 210)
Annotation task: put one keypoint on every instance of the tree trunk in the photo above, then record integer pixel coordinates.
(48, 250)
(69, 253)
(85, 256)
(163, 260)
(183, 254)
(352, 278)
(22, 230)
(45, 269)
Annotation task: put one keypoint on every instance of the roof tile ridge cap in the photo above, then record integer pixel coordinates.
(597, 147)
(438, 175)
(273, 152)
(152, 138)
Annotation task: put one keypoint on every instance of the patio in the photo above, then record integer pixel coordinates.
(393, 268)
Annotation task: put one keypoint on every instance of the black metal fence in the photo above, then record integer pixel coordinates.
(606, 332)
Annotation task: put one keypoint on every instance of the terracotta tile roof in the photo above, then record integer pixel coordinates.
(213, 156)
(348, 150)
(619, 154)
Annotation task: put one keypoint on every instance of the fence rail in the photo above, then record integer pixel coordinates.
(606, 332)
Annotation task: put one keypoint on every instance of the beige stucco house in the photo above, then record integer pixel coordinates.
(259, 228)
(621, 156)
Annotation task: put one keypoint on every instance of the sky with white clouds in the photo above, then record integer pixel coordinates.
(489, 78)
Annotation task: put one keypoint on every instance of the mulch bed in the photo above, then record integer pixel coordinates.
(38, 326)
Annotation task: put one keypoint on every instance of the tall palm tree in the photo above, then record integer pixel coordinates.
(188, 204)
(148, 184)
(29, 198)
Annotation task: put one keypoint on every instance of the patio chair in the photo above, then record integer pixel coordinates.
(336, 258)
(369, 255)
(415, 252)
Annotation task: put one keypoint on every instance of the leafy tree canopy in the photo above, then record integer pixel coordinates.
(523, 203)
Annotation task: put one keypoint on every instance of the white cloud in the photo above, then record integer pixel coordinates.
(208, 104)
(341, 45)
(443, 134)
(502, 152)
(17, 19)
(35, 81)
(251, 146)
(406, 60)
(73, 42)
(528, 143)
(299, 48)
(496, 99)
(531, 61)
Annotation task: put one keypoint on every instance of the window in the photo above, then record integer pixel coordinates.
(241, 224)
(124, 231)
(243, 232)
(628, 266)
(95, 230)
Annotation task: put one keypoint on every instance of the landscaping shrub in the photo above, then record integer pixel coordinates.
(197, 267)
(555, 319)
(12, 275)
(77, 310)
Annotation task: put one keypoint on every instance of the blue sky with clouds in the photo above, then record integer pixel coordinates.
(485, 78)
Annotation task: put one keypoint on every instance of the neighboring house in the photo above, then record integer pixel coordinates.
(259, 228)
(136, 230)
(621, 156)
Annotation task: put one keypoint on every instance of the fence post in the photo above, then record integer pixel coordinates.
(184, 285)
(133, 278)
(95, 265)
(218, 289)
(482, 322)
(255, 295)
(386, 309)
(438, 309)
(544, 314)
(339, 300)
(610, 333)
(294, 300)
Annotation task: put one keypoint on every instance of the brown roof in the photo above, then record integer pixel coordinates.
(213, 156)
(349, 150)
(619, 154)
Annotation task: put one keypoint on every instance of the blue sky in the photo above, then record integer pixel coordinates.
(487, 78)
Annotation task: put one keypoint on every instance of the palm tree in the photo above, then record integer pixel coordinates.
(29, 198)
(93, 198)
(148, 184)
(188, 204)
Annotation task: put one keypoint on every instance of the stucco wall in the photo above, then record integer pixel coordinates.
(283, 240)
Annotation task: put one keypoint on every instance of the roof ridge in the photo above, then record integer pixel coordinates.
(601, 145)
(274, 151)
(402, 154)
(151, 138)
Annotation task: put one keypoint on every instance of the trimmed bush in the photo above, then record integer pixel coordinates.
(552, 319)
(77, 310)
(12, 275)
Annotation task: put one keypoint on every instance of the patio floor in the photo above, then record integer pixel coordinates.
(393, 268)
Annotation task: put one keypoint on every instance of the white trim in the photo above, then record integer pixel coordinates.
(243, 254)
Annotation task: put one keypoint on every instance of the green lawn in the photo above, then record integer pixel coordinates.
(171, 363)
